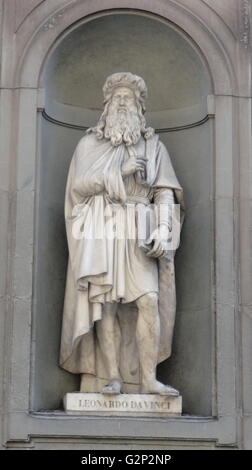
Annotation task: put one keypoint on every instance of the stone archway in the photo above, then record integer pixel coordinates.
(177, 106)
(35, 38)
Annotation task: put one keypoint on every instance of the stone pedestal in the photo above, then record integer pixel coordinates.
(125, 404)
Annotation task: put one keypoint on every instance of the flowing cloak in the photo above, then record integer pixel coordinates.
(100, 268)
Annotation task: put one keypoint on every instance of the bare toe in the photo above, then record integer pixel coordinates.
(166, 390)
(159, 388)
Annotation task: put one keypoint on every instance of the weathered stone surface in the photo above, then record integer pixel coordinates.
(227, 10)
(23, 8)
(219, 31)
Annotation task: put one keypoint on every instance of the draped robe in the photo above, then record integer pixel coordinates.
(106, 269)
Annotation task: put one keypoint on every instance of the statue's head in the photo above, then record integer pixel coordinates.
(122, 120)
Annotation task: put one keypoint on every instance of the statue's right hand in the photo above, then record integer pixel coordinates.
(133, 164)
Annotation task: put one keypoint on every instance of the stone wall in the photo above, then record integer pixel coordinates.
(212, 348)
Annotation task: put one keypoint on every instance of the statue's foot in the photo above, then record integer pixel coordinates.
(113, 387)
(154, 386)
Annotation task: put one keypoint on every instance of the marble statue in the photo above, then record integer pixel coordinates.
(120, 297)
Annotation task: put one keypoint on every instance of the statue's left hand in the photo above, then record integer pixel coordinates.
(159, 238)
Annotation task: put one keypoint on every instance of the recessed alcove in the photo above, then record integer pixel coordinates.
(179, 84)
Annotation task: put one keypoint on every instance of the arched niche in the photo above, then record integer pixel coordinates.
(177, 79)
(179, 85)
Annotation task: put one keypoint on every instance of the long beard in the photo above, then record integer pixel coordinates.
(122, 127)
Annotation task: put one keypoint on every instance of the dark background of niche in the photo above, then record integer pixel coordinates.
(176, 79)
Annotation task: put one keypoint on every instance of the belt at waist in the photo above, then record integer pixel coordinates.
(137, 200)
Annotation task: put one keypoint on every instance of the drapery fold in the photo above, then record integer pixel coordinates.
(109, 269)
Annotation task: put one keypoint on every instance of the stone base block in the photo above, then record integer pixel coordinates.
(125, 404)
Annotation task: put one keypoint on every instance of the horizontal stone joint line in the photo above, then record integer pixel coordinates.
(160, 131)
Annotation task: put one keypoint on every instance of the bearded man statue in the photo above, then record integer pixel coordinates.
(120, 297)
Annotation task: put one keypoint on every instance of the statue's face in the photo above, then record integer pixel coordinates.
(123, 100)
(123, 123)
